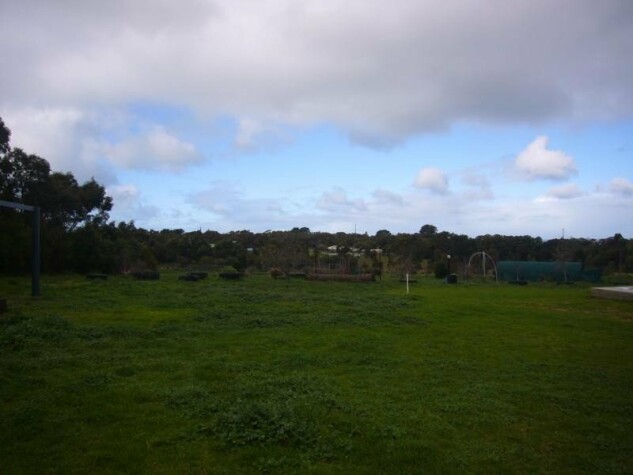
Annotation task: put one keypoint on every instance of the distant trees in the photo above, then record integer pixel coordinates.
(299, 250)
(77, 236)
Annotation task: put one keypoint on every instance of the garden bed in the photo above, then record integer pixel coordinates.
(342, 277)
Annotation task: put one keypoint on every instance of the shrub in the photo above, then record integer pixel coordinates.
(146, 275)
(342, 277)
(230, 272)
(193, 276)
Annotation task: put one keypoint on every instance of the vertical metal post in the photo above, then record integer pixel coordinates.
(35, 242)
(35, 253)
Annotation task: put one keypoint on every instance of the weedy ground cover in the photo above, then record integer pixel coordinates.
(288, 376)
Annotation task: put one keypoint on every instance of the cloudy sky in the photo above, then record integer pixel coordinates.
(477, 116)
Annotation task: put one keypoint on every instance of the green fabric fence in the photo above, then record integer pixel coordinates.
(535, 271)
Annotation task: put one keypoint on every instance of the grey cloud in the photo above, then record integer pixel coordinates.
(382, 73)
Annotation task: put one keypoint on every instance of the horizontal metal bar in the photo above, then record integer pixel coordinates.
(9, 204)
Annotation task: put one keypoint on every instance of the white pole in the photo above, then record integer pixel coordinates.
(407, 282)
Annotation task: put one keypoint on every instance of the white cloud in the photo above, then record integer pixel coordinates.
(479, 188)
(481, 194)
(66, 137)
(621, 186)
(130, 206)
(125, 194)
(432, 179)
(537, 162)
(252, 134)
(155, 150)
(231, 209)
(72, 139)
(475, 179)
(565, 192)
(220, 199)
(247, 132)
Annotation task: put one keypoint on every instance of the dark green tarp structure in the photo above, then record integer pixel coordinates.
(535, 271)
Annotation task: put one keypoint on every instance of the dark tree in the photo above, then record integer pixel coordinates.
(428, 230)
(5, 135)
(24, 177)
(68, 204)
(382, 238)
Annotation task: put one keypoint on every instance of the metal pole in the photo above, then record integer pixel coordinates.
(35, 242)
(35, 254)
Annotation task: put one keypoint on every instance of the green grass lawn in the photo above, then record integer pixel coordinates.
(288, 376)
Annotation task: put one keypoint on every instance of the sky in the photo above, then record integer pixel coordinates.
(478, 117)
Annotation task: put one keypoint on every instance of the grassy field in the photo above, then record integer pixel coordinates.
(289, 376)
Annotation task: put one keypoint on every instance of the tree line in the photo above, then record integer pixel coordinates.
(78, 236)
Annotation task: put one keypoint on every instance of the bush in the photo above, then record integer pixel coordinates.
(193, 276)
(146, 275)
(342, 277)
(230, 272)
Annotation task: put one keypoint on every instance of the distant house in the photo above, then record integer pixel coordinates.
(331, 251)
